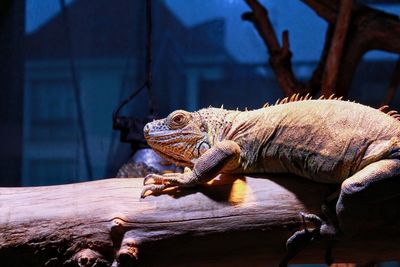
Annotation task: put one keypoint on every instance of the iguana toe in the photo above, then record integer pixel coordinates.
(153, 188)
(173, 179)
(311, 218)
(156, 183)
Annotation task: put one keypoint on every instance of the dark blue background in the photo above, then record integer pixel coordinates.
(204, 54)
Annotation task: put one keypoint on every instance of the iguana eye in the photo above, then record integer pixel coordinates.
(178, 119)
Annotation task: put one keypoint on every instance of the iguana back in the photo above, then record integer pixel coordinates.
(325, 140)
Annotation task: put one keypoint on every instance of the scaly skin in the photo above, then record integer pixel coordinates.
(326, 140)
(323, 140)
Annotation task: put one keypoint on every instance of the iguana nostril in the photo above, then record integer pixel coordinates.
(146, 129)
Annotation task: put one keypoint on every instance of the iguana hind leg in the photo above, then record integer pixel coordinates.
(374, 184)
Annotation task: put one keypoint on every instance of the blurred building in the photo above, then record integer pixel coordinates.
(194, 66)
(191, 68)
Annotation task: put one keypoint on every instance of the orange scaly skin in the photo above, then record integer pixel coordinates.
(326, 140)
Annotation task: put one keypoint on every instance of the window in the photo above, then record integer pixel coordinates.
(51, 110)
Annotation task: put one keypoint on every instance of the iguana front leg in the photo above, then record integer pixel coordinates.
(376, 183)
(222, 157)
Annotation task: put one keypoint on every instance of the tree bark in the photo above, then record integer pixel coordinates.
(369, 29)
(234, 221)
(336, 50)
(376, 26)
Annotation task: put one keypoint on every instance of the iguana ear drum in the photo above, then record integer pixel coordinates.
(202, 148)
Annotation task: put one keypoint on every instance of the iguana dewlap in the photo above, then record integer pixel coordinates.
(326, 140)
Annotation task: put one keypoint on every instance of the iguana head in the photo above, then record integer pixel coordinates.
(184, 136)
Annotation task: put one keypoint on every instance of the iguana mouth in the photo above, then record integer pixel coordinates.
(172, 145)
(162, 135)
(158, 135)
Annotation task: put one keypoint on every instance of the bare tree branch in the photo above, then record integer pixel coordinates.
(330, 76)
(367, 29)
(280, 57)
(315, 83)
(376, 26)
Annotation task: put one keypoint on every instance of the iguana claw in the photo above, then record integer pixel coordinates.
(156, 183)
(158, 179)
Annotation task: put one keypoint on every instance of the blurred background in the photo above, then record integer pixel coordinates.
(67, 65)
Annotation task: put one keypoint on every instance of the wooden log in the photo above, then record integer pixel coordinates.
(232, 221)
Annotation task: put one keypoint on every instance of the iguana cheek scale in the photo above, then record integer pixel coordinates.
(325, 140)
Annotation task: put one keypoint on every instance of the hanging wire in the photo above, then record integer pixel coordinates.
(113, 139)
(77, 91)
(148, 83)
(149, 53)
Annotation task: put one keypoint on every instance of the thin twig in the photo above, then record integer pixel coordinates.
(149, 55)
(148, 82)
(77, 91)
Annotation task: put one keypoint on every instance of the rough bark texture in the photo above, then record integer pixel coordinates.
(336, 49)
(358, 29)
(235, 221)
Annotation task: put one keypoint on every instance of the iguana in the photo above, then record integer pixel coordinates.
(325, 140)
